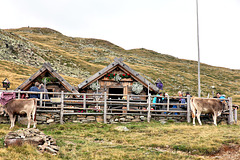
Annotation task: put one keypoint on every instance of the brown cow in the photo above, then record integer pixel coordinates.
(18, 107)
(207, 105)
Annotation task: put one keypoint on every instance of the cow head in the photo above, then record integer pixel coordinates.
(225, 106)
(1, 110)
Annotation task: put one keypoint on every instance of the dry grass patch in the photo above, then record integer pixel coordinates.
(143, 141)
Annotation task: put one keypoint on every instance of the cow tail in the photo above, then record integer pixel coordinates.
(35, 109)
(192, 108)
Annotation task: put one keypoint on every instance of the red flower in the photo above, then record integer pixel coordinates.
(128, 74)
(108, 75)
(123, 75)
(114, 74)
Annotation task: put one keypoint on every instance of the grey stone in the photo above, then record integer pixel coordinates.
(121, 128)
(76, 121)
(50, 120)
(90, 118)
(163, 121)
(143, 118)
(31, 136)
(56, 116)
(122, 119)
(99, 119)
(136, 120)
(55, 147)
(85, 121)
(49, 149)
(109, 117)
(41, 118)
(129, 117)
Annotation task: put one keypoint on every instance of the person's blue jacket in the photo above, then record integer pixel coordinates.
(222, 97)
(34, 89)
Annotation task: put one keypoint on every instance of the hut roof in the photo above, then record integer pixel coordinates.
(118, 62)
(46, 68)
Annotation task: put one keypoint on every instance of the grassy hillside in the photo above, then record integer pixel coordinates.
(26, 49)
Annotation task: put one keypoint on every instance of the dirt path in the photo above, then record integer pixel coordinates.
(228, 152)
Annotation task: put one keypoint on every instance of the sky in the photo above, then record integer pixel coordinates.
(165, 26)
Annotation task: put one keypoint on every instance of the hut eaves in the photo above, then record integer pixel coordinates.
(47, 66)
(118, 62)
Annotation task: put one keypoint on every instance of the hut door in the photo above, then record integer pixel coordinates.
(115, 91)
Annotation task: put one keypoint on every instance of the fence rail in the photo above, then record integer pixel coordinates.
(102, 105)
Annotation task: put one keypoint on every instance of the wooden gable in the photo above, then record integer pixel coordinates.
(49, 72)
(120, 68)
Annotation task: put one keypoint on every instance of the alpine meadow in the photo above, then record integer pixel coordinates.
(24, 50)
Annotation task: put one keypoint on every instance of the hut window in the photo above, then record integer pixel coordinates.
(115, 91)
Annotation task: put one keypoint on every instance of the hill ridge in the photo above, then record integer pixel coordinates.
(78, 58)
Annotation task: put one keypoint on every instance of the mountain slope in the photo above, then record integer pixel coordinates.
(79, 58)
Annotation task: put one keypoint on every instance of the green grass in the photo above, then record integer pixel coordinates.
(144, 141)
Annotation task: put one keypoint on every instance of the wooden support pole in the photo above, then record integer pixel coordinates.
(19, 95)
(84, 101)
(230, 116)
(149, 108)
(235, 115)
(62, 105)
(105, 108)
(168, 101)
(128, 102)
(41, 99)
(188, 109)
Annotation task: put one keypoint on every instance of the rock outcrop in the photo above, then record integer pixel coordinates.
(43, 142)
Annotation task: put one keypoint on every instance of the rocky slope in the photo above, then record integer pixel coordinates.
(79, 58)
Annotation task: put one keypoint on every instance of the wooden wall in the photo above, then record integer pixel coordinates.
(125, 83)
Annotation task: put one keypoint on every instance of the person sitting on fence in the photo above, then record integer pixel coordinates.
(160, 99)
(155, 99)
(220, 96)
(43, 89)
(188, 93)
(34, 89)
(182, 100)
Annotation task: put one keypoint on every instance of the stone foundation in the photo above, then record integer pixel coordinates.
(51, 118)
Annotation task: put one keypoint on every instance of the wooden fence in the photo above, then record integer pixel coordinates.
(66, 104)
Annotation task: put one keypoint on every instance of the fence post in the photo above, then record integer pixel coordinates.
(235, 115)
(41, 97)
(230, 116)
(19, 95)
(84, 101)
(188, 109)
(128, 102)
(168, 101)
(105, 108)
(62, 105)
(149, 108)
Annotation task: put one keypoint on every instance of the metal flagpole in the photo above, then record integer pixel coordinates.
(199, 82)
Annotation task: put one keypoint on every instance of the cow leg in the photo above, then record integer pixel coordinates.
(198, 117)
(215, 119)
(194, 116)
(12, 121)
(29, 119)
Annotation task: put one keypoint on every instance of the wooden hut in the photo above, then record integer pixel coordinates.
(54, 82)
(118, 78)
